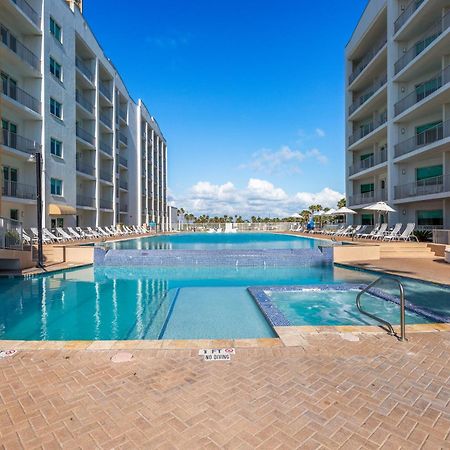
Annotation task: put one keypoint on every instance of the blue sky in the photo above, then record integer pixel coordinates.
(248, 93)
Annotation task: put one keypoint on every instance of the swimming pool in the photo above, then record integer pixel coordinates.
(219, 241)
(138, 303)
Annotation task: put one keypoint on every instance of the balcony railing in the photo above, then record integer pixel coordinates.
(18, 48)
(17, 142)
(423, 90)
(368, 197)
(123, 161)
(105, 90)
(428, 186)
(83, 200)
(18, 190)
(123, 138)
(434, 134)
(21, 96)
(367, 163)
(412, 7)
(364, 62)
(367, 129)
(85, 168)
(84, 101)
(106, 204)
(11, 234)
(28, 11)
(123, 114)
(105, 119)
(105, 147)
(84, 69)
(106, 175)
(432, 33)
(85, 135)
(367, 94)
(123, 184)
(123, 208)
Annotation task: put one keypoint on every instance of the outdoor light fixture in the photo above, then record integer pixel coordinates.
(403, 130)
(403, 171)
(404, 212)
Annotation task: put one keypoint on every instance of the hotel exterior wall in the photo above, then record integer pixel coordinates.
(118, 197)
(399, 172)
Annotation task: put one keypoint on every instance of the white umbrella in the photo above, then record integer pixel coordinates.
(380, 207)
(345, 210)
(319, 213)
(330, 212)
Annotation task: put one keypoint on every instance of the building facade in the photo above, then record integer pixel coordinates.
(398, 112)
(61, 96)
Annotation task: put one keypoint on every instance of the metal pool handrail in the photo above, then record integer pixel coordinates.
(402, 336)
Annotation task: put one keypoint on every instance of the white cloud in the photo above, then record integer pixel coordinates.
(284, 160)
(259, 197)
(320, 132)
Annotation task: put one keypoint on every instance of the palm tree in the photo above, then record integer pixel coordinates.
(341, 203)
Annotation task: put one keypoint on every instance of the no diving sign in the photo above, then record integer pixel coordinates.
(217, 354)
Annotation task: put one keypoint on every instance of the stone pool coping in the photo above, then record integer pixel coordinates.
(288, 336)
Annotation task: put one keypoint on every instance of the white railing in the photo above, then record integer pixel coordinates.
(441, 236)
(240, 227)
(11, 236)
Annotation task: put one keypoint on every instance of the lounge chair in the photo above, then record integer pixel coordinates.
(45, 239)
(52, 236)
(381, 231)
(94, 233)
(394, 233)
(102, 232)
(110, 230)
(352, 231)
(25, 238)
(63, 234)
(407, 234)
(87, 234)
(372, 233)
(74, 233)
(361, 231)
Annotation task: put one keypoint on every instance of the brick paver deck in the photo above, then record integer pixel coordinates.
(331, 392)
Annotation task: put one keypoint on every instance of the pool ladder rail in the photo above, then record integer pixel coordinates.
(388, 325)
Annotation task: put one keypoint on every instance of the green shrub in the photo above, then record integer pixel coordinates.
(423, 235)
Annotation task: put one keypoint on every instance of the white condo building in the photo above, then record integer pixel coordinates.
(104, 155)
(398, 111)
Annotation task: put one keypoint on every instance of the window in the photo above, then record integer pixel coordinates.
(55, 108)
(430, 218)
(366, 156)
(55, 29)
(429, 132)
(55, 69)
(14, 214)
(423, 173)
(56, 147)
(57, 222)
(9, 131)
(367, 219)
(56, 186)
(365, 188)
(428, 87)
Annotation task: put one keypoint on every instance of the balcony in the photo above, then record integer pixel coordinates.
(106, 204)
(412, 7)
(430, 136)
(367, 129)
(84, 69)
(106, 175)
(368, 197)
(379, 158)
(21, 96)
(85, 168)
(85, 135)
(367, 94)
(105, 90)
(105, 147)
(83, 200)
(123, 114)
(17, 142)
(123, 161)
(28, 11)
(84, 101)
(428, 186)
(18, 190)
(432, 33)
(26, 55)
(105, 119)
(367, 58)
(123, 208)
(123, 184)
(123, 138)
(423, 90)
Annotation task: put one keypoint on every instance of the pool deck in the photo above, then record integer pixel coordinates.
(336, 390)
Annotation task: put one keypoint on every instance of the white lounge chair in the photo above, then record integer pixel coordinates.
(52, 236)
(74, 233)
(394, 233)
(102, 232)
(87, 234)
(110, 231)
(381, 231)
(361, 231)
(63, 234)
(372, 233)
(94, 233)
(407, 234)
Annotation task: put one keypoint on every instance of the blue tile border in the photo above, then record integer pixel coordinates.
(277, 319)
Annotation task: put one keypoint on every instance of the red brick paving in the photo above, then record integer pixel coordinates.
(332, 393)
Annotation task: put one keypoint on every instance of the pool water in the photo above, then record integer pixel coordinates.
(219, 241)
(134, 303)
(335, 307)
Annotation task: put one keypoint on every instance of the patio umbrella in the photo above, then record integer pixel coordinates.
(343, 211)
(380, 208)
(330, 212)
